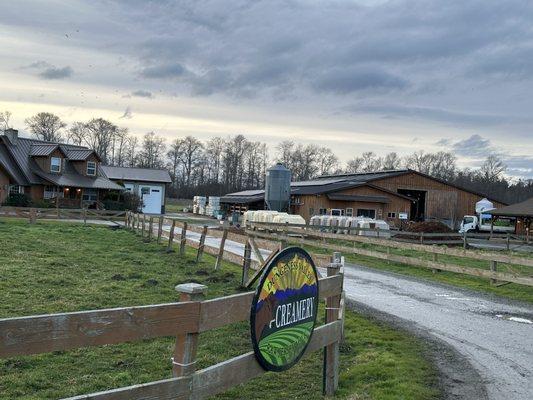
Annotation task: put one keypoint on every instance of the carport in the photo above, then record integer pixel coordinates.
(523, 212)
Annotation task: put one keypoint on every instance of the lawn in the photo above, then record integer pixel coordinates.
(57, 267)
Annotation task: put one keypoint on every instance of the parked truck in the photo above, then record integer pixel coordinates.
(482, 220)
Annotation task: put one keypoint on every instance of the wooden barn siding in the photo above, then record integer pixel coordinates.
(396, 205)
(443, 201)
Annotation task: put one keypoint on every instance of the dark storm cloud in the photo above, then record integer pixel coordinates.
(164, 71)
(474, 146)
(142, 93)
(446, 117)
(56, 73)
(358, 79)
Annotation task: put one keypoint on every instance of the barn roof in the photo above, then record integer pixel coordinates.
(523, 209)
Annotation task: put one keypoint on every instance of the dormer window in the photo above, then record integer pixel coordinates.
(91, 168)
(55, 164)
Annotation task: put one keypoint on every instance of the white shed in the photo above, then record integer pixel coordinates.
(148, 184)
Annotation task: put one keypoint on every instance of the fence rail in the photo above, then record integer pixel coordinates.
(404, 236)
(183, 320)
(493, 258)
(33, 214)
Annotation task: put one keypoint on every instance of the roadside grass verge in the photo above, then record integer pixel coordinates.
(57, 267)
(511, 290)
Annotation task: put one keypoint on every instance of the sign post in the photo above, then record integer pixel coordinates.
(284, 309)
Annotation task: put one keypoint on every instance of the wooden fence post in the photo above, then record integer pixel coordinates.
(465, 244)
(201, 245)
(183, 239)
(246, 262)
(184, 358)
(126, 220)
(143, 225)
(421, 237)
(493, 268)
(171, 236)
(150, 228)
(33, 215)
(160, 229)
(221, 249)
(332, 352)
(508, 241)
(435, 259)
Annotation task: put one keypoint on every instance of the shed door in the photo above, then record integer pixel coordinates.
(152, 199)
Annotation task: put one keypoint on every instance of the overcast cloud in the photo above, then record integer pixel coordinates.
(354, 75)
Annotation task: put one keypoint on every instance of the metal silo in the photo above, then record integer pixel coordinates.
(278, 188)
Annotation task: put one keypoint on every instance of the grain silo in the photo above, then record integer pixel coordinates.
(278, 188)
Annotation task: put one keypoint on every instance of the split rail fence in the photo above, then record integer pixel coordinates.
(449, 238)
(34, 214)
(315, 238)
(184, 320)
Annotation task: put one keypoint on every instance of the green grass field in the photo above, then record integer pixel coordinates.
(57, 267)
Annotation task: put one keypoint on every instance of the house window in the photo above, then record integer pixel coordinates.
(322, 211)
(391, 215)
(51, 192)
(91, 168)
(16, 189)
(349, 212)
(90, 194)
(55, 164)
(145, 190)
(364, 212)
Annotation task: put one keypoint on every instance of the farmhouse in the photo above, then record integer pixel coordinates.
(71, 176)
(148, 184)
(390, 195)
(42, 170)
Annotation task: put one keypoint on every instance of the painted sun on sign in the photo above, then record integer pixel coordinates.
(284, 309)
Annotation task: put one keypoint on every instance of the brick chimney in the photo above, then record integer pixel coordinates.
(12, 135)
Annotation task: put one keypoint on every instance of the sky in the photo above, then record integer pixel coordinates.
(353, 75)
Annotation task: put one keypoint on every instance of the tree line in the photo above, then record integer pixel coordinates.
(222, 165)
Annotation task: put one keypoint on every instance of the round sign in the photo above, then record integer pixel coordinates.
(284, 309)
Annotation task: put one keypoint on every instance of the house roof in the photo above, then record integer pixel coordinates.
(18, 160)
(523, 209)
(42, 149)
(136, 174)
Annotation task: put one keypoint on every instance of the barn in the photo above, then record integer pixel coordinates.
(394, 196)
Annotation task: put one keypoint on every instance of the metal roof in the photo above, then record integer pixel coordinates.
(136, 174)
(42, 149)
(77, 180)
(523, 209)
(80, 154)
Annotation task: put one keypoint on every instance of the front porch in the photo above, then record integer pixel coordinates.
(73, 197)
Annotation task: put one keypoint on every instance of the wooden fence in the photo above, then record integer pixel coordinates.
(184, 320)
(318, 239)
(453, 238)
(34, 214)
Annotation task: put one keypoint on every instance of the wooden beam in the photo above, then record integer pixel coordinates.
(46, 333)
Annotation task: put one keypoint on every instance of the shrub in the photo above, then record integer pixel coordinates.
(18, 200)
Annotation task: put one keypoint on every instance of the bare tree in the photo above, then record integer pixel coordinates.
(371, 162)
(327, 161)
(152, 152)
(76, 133)
(5, 116)
(391, 161)
(354, 166)
(46, 126)
(492, 169)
